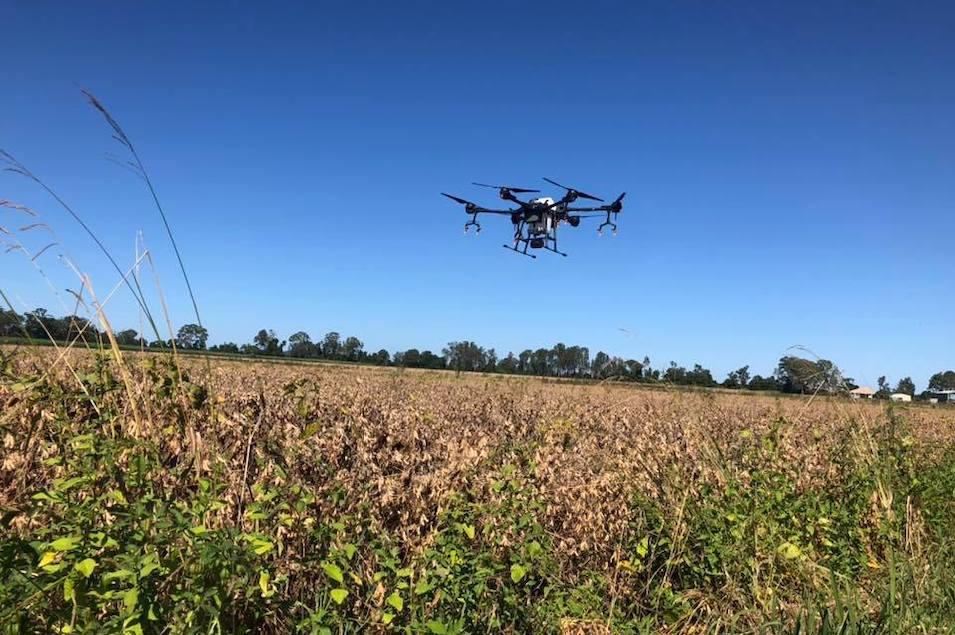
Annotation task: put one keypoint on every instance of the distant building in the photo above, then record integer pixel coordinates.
(862, 392)
(900, 396)
(944, 396)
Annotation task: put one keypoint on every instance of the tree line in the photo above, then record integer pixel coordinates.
(792, 374)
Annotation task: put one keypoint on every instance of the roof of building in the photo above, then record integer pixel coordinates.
(862, 390)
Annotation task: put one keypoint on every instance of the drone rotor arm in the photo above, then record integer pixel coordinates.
(575, 210)
(474, 208)
(500, 212)
(616, 207)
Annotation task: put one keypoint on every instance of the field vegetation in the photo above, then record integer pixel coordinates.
(165, 493)
(145, 494)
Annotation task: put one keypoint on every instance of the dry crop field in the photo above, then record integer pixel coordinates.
(146, 496)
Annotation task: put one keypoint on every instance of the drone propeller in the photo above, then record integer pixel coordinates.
(474, 208)
(458, 200)
(577, 192)
(519, 190)
(469, 207)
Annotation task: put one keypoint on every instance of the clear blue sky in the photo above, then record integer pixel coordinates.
(790, 170)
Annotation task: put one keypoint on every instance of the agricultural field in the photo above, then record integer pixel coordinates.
(145, 494)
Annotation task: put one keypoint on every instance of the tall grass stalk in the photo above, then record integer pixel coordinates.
(14, 166)
(138, 168)
(19, 246)
(131, 394)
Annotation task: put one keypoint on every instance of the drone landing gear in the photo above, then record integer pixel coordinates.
(552, 238)
(516, 250)
(607, 223)
(554, 249)
(473, 223)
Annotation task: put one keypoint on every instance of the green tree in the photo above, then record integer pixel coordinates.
(192, 337)
(524, 361)
(508, 365)
(884, 389)
(72, 327)
(11, 324)
(490, 361)
(332, 345)
(795, 374)
(758, 382)
(598, 367)
(829, 378)
(430, 360)
(540, 362)
(580, 360)
(633, 369)
(381, 358)
(944, 380)
(738, 378)
(466, 356)
(301, 345)
(41, 325)
(410, 358)
(675, 374)
(267, 343)
(128, 337)
(615, 368)
(743, 374)
(906, 386)
(353, 348)
(700, 376)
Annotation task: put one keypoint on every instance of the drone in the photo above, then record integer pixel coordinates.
(536, 221)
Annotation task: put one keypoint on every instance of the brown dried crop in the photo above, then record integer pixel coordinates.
(405, 444)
